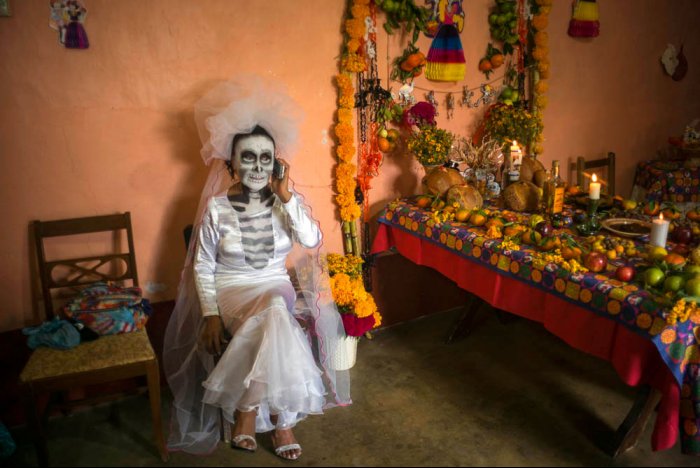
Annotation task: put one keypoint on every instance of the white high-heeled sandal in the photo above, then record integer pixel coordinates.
(279, 451)
(235, 442)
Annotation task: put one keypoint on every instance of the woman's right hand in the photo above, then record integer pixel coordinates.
(212, 337)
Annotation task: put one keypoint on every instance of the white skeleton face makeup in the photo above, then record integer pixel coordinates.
(253, 160)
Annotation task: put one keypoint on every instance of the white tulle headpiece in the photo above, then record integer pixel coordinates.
(238, 106)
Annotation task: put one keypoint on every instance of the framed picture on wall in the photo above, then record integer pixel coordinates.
(5, 8)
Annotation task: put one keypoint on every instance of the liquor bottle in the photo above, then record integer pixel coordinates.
(555, 187)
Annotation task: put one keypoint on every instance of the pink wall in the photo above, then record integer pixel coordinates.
(111, 129)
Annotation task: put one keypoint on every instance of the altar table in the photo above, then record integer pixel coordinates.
(595, 313)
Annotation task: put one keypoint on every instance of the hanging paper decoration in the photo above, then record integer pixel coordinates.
(433, 24)
(446, 57)
(584, 20)
(67, 17)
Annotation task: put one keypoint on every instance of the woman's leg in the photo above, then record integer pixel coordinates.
(283, 436)
(244, 425)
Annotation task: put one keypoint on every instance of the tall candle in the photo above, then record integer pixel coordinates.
(594, 189)
(659, 231)
(516, 154)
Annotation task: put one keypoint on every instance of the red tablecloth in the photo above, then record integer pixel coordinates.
(635, 359)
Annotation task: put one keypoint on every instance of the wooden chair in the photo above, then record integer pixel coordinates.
(582, 165)
(108, 359)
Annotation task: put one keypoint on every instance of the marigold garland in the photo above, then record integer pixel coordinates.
(540, 55)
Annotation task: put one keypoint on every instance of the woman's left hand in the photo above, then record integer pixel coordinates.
(280, 187)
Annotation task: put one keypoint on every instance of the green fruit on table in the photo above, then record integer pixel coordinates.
(654, 276)
(692, 287)
(383, 133)
(692, 269)
(673, 283)
(629, 205)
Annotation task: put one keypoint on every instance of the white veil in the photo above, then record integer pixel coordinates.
(230, 108)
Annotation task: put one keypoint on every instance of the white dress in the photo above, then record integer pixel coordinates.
(240, 274)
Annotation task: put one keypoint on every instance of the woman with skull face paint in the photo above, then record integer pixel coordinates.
(272, 373)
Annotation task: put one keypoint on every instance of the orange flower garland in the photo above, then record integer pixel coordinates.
(351, 62)
(541, 56)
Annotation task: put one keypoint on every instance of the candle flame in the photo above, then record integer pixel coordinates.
(594, 178)
(661, 216)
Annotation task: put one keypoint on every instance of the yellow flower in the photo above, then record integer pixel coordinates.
(366, 307)
(353, 63)
(345, 133)
(541, 38)
(377, 319)
(350, 212)
(341, 286)
(345, 170)
(539, 53)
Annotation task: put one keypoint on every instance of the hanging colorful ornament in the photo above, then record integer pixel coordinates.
(446, 58)
(67, 17)
(584, 19)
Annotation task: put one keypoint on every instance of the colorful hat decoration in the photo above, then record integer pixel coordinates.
(584, 20)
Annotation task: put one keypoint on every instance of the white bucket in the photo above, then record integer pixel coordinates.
(343, 353)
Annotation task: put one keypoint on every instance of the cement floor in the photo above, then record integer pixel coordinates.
(508, 395)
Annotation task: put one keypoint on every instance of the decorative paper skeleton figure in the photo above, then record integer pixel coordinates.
(430, 97)
(450, 104)
(406, 94)
(467, 95)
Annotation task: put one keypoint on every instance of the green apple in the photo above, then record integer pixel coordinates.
(383, 133)
(654, 276)
(673, 283)
(692, 287)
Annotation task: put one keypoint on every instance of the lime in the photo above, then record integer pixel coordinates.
(692, 269)
(507, 93)
(692, 286)
(653, 276)
(673, 283)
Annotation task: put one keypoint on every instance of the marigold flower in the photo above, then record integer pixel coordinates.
(359, 11)
(345, 153)
(541, 38)
(345, 170)
(345, 115)
(345, 133)
(539, 53)
(353, 63)
(350, 212)
(540, 22)
(355, 27)
(341, 286)
(541, 87)
(353, 45)
(366, 308)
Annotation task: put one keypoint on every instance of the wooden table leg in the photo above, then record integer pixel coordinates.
(465, 324)
(34, 418)
(627, 435)
(153, 376)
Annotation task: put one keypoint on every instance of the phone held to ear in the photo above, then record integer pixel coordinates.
(278, 170)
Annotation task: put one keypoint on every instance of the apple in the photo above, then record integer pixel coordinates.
(683, 234)
(692, 287)
(595, 262)
(383, 133)
(681, 249)
(625, 273)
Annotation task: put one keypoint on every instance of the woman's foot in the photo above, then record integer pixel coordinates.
(285, 444)
(243, 436)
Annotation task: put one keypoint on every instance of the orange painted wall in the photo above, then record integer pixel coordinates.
(111, 129)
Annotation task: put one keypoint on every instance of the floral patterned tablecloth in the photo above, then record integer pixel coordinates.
(668, 181)
(625, 303)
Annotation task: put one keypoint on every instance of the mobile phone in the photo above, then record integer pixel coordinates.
(278, 169)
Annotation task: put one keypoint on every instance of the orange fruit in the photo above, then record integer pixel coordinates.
(417, 71)
(413, 60)
(393, 134)
(674, 259)
(497, 60)
(461, 215)
(485, 65)
(423, 201)
(383, 144)
(405, 66)
(477, 219)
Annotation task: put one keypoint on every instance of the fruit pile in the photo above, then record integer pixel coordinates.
(493, 59)
(387, 139)
(612, 246)
(503, 24)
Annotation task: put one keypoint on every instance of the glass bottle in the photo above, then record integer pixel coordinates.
(555, 203)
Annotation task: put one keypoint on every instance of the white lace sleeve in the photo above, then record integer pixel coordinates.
(205, 260)
(305, 229)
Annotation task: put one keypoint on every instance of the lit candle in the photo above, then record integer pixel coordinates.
(659, 231)
(594, 189)
(515, 154)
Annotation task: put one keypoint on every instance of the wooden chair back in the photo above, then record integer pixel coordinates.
(84, 270)
(583, 165)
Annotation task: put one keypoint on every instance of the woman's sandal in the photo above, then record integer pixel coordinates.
(280, 451)
(236, 442)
